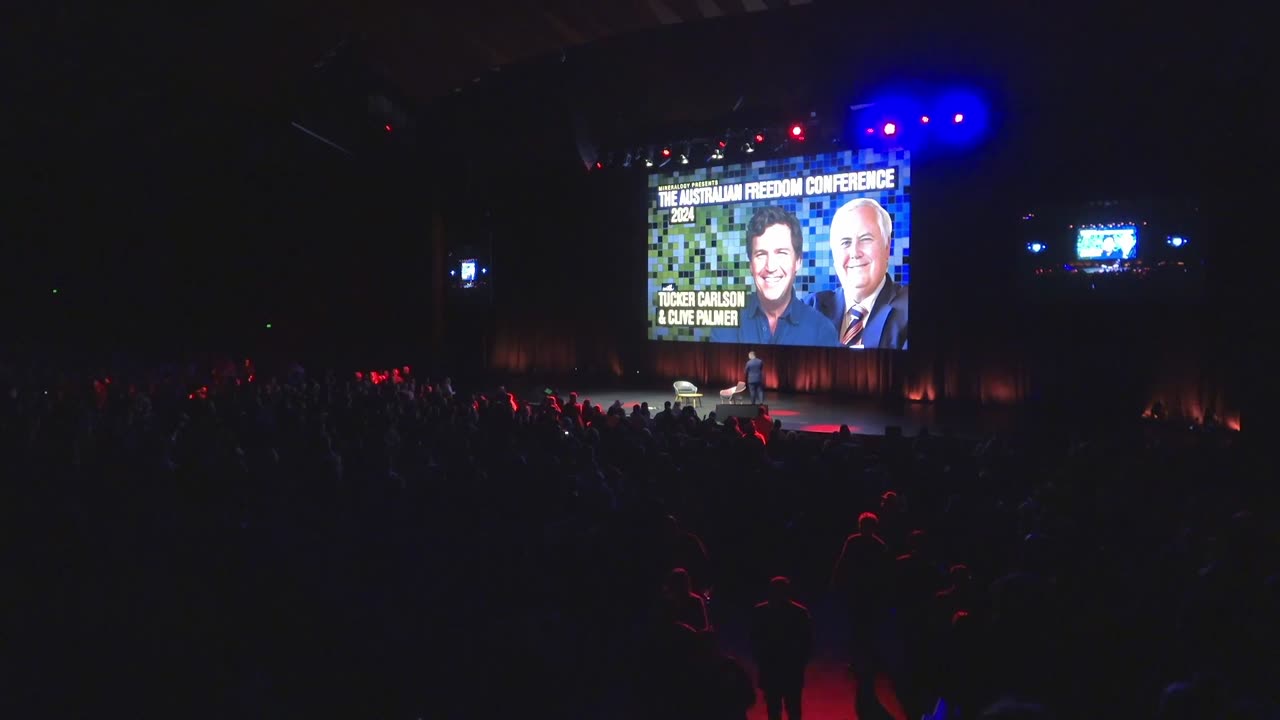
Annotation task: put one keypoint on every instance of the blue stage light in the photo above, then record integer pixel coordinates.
(1177, 241)
(885, 118)
(1036, 247)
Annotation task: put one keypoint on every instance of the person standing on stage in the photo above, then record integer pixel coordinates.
(755, 378)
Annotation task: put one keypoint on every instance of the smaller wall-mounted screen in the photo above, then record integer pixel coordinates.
(1155, 249)
(1107, 243)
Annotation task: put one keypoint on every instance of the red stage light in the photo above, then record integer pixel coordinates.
(387, 128)
(723, 144)
(666, 152)
(599, 166)
(759, 138)
(890, 128)
(797, 131)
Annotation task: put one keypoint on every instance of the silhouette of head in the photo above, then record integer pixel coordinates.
(868, 523)
(779, 590)
(890, 502)
(678, 582)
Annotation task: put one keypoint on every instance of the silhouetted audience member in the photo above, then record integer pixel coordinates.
(893, 521)
(726, 691)
(681, 605)
(763, 423)
(917, 577)
(862, 578)
(957, 596)
(782, 643)
(683, 549)
(671, 684)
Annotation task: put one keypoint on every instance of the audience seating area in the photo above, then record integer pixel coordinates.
(393, 546)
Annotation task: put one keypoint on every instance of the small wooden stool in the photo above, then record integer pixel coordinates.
(696, 397)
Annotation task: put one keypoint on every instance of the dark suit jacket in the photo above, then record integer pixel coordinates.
(885, 326)
(782, 643)
(755, 370)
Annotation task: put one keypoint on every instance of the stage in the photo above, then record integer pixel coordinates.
(820, 414)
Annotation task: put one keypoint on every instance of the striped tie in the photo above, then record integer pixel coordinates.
(853, 327)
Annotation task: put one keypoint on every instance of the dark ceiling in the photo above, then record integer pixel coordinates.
(151, 144)
(428, 49)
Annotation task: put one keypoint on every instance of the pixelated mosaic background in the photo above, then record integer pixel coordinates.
(712, 253)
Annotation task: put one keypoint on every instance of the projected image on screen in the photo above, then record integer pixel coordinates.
(811, 251)
(1110, 243)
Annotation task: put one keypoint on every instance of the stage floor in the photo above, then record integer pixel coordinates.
(816, 413)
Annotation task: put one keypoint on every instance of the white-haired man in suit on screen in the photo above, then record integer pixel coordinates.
(869, 309)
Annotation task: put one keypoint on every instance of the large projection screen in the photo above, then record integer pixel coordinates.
(811, 250)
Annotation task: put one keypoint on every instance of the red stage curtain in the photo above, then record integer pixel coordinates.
(1185, 385)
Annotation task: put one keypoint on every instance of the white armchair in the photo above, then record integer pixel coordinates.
(730, 395)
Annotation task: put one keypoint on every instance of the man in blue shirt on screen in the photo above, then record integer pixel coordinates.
(772, 315)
